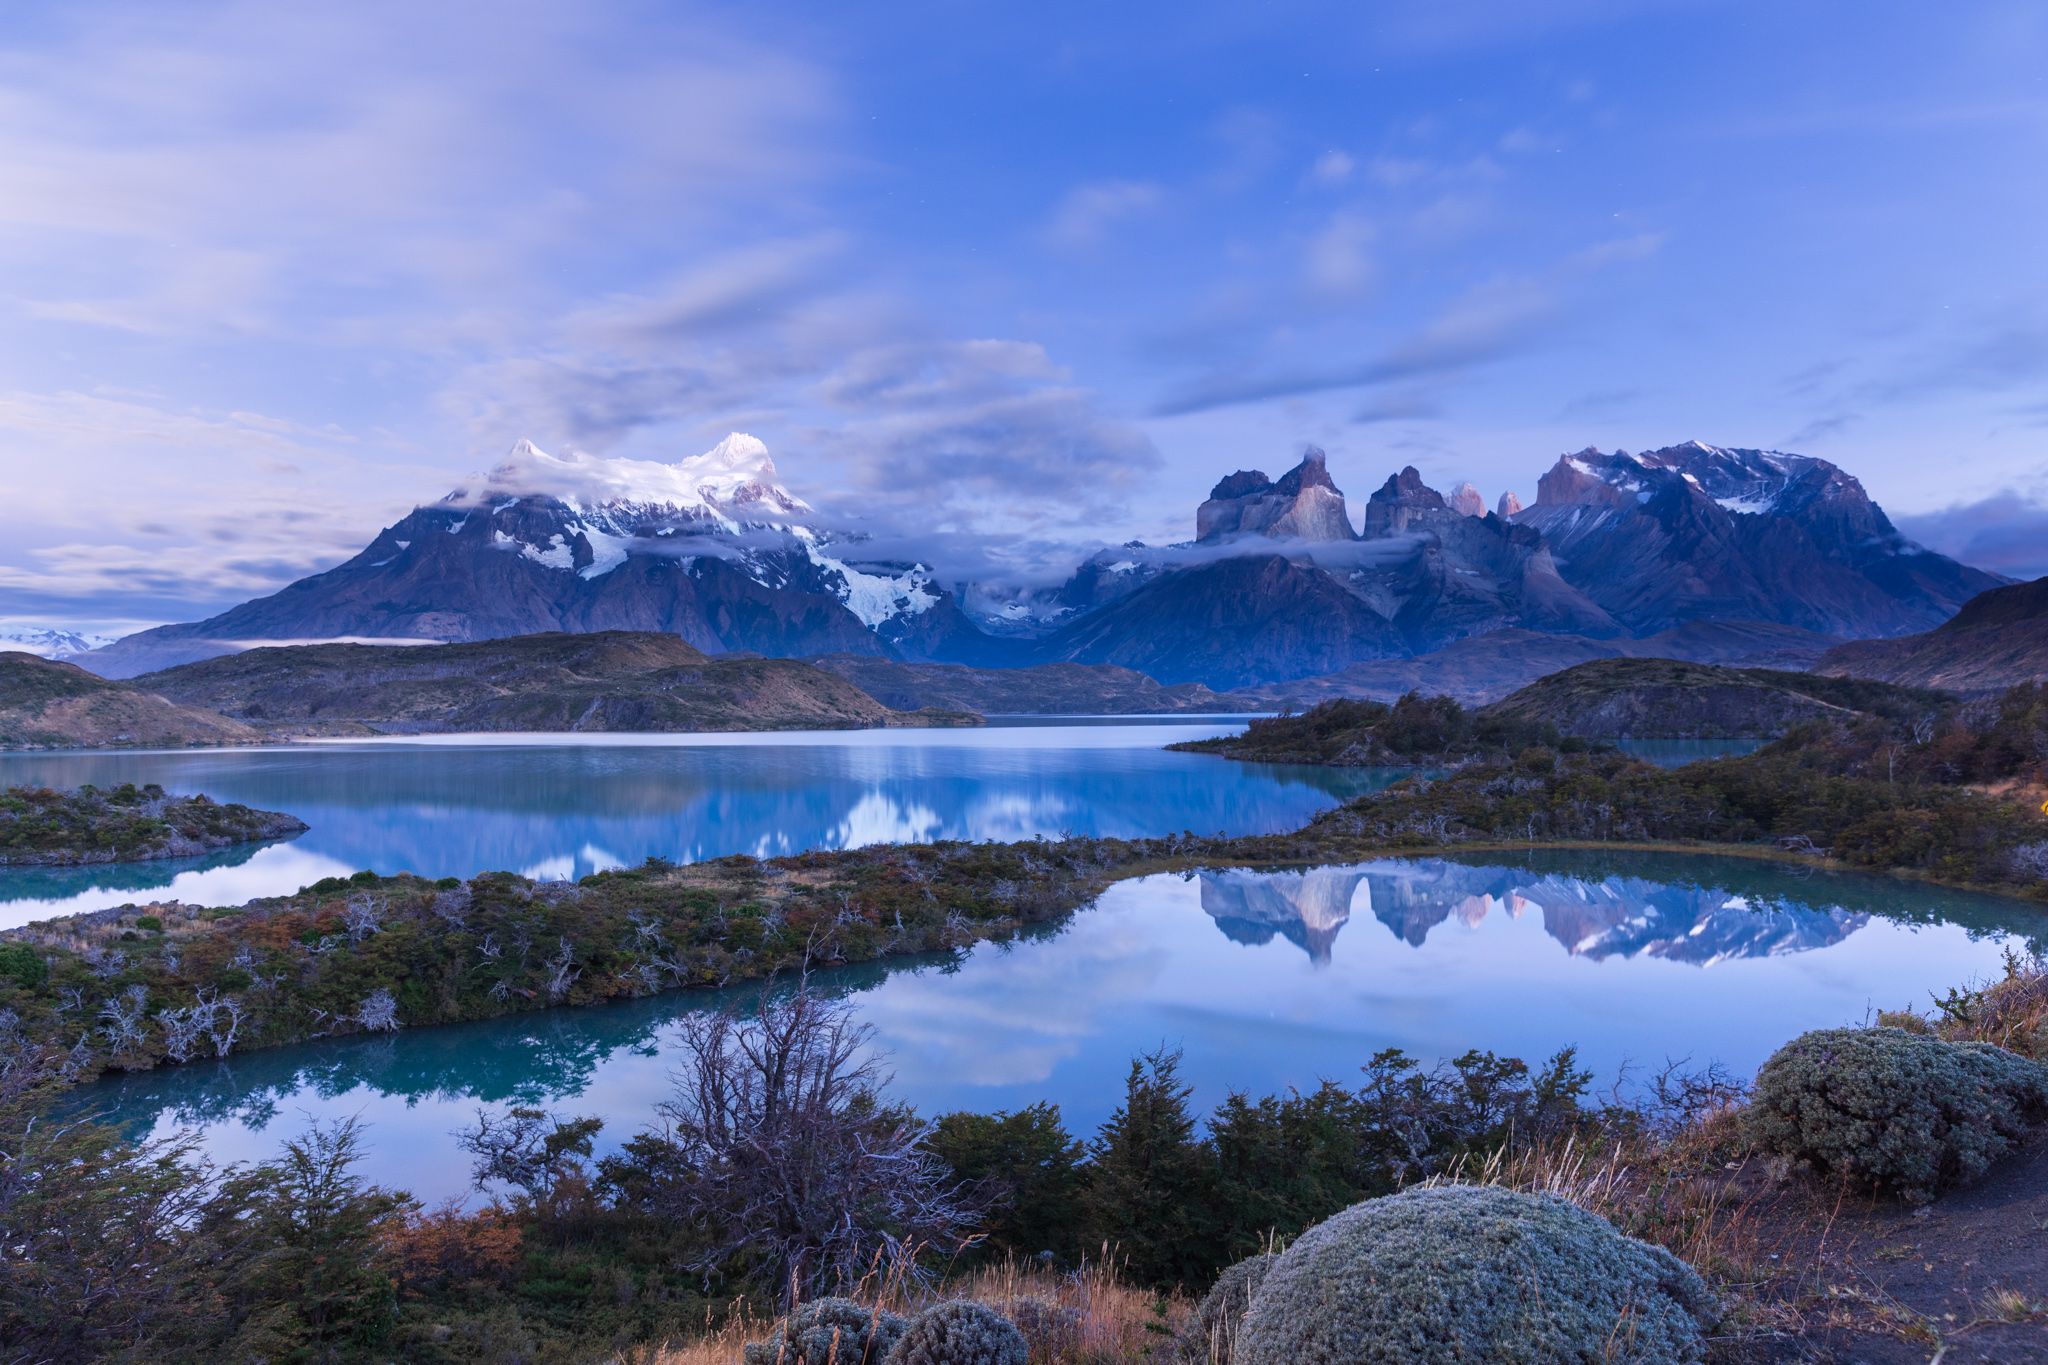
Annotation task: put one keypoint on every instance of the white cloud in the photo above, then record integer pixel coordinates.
(1087, 212)
(1337, 259)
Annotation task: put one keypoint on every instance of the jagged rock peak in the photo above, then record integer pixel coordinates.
(1312, 472)
(1509, 505)
(1304, 505)
(1243, 483)
(1465, 498)
(1401, 501)
(1587, 477)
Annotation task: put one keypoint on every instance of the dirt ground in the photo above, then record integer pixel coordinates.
(1856, 1280)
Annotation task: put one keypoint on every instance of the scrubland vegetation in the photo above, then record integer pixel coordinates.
(785, 1175)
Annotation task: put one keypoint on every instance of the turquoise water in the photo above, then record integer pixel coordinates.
(554, 806)
(1267, 980)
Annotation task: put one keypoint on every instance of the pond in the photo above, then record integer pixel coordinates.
(564, 806)
(1266, 980)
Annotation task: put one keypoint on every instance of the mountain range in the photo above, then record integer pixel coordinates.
(1277, 585)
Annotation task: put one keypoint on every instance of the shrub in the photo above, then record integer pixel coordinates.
(1894, 1108)
(1456, 1273)
(149, 922)
(1213, 1333)
(960, 1332)
(864, 1336)
(22, 965)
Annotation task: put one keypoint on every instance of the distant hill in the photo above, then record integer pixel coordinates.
(1485, 668)
(614, 680)
(1676, 699)
(1998, 639)
(47, 704)
(1047, 689)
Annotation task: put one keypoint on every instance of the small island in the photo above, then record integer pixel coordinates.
(41, 826)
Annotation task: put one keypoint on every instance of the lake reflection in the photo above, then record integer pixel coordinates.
(1266, 979)
(564, 806)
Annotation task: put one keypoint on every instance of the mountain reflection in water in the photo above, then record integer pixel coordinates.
(1617, 916)
(1427, 955)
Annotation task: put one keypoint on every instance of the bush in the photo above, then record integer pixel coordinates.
(149, 922)
(960, 1332)
(1456, 1273)
(22, 965)
(1894, 1108)
(865, 1336)
(1213, 1333)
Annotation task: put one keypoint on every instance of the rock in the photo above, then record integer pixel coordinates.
(1303, 505)
(1509, 505)
(1465, 500)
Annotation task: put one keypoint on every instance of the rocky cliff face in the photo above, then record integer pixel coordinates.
(1303, 505)
(1697, 532)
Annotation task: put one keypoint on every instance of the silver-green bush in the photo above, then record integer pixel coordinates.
(1894, 1108)
(838, 1331)
(960, 1332)
(1212, 1333)
(1472, 1273)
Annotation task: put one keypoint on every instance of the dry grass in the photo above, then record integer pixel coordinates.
(1114, 1322)
(2011, 1012)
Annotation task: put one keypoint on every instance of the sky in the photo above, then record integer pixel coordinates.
(1030, 277)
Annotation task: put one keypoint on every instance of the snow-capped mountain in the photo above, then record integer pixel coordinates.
(713, 548)
(1700, 532)
(52, 644)
(1276, 585)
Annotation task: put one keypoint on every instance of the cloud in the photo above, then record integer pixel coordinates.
(1485, 323)
(1086, 213)
(1337, 260)
(1333, 167)
(2006, 533)
(227, 179)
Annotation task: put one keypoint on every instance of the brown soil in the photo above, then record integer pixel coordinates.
(1847, 1279)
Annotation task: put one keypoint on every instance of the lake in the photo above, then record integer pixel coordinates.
(1265, 979)
(564, 806)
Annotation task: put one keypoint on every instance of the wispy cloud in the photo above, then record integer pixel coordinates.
(1087, 213)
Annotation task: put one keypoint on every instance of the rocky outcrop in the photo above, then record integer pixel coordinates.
(1697, 532)
(1464, 499)
(1998, 639)
(1509, 505)
(1303, 505)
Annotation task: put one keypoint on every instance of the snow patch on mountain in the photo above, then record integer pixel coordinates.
(876, 598)
(52, 644)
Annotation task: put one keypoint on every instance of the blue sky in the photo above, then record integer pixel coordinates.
(1027, 278)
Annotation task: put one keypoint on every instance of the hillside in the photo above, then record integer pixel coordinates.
(1484, 668)
(612, 680)
(1676, 699)
(1997, 640)
(47, 704)
(1047, 689)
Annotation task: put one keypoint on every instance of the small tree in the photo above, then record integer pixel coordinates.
(779, 1150)
(316, 1272)
(1150, 1183)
